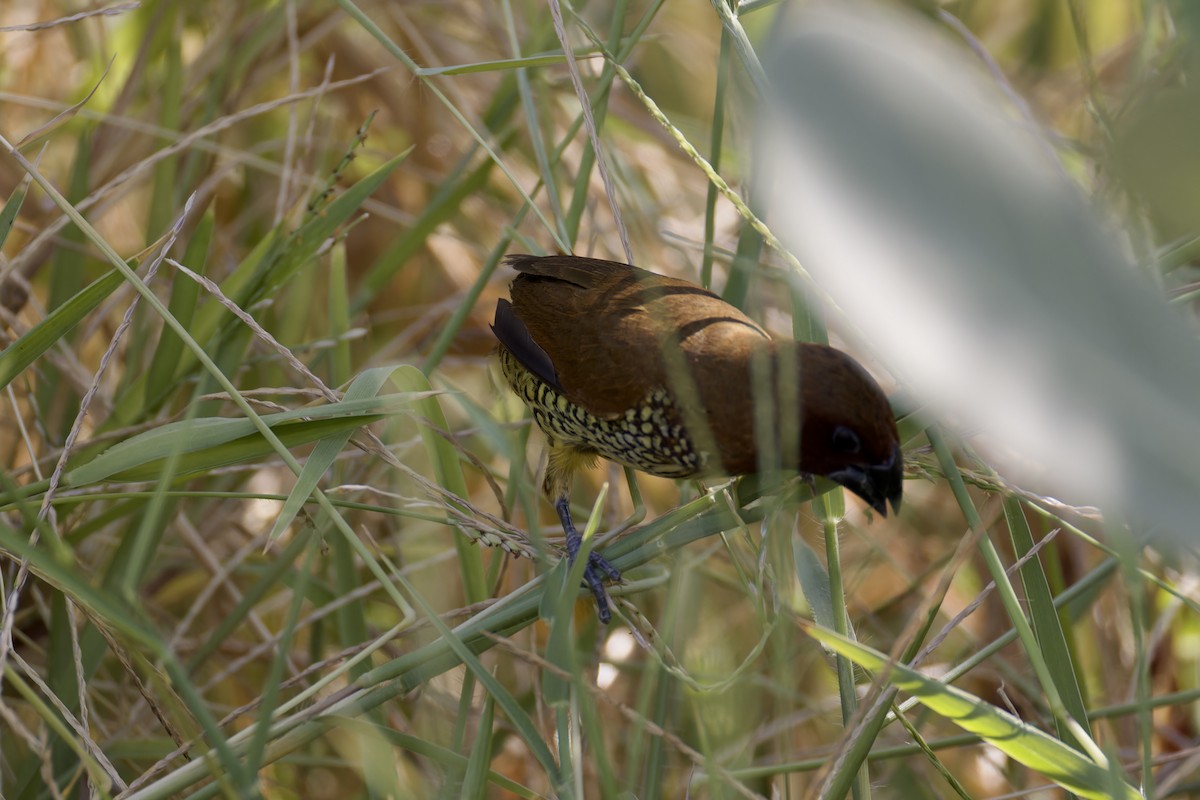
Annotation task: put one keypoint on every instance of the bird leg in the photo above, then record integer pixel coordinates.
(562, 464)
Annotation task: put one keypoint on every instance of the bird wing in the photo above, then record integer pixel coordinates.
(584, 273)
(513, 334)
(602, 326)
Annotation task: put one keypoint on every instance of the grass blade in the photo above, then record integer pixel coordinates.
(1018, 740)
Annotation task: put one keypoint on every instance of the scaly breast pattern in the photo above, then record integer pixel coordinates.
(650, 436)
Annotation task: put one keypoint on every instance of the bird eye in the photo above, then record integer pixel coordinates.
(846, 440)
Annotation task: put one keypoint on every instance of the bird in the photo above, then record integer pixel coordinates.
(661, 375)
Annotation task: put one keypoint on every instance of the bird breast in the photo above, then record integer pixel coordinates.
(649, 435)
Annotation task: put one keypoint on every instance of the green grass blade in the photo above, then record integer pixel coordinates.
(423, 747)
(265, 581)
(310, 236)
(1047, 625)
(185, 293)
(365, 386)
(23, 352)
(475, 782)
(340, 368)
(445, 204)
(210, 432)
(500, 64)
(273, 261)
(275, 676)
(8, 215)
(67, 268)
(525, 726)
(447, 471)
(1018, 740)
(56, 397)
(249, 448)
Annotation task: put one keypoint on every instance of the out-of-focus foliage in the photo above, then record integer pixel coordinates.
(966, 237)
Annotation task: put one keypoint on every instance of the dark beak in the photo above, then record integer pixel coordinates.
(878, 485)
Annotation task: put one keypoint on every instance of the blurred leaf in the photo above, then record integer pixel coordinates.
(952, 237)
(1156, 156)
(1186, 15)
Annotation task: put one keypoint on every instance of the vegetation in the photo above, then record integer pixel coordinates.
(272, 523)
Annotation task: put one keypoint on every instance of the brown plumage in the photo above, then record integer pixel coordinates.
(662, 375)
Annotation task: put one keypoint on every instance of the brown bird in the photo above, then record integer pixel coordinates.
(666, 377)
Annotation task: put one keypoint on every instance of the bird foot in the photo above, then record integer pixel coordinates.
(599, 562)
(597, 566)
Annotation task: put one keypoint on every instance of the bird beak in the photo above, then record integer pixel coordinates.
(878, 485)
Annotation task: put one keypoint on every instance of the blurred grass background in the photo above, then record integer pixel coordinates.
(349, 176)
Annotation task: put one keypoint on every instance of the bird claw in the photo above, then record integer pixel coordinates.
(597, 564)
(597, 561)
(591, 578)
(597, 567)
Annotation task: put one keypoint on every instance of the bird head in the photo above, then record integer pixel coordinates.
(848, 430)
